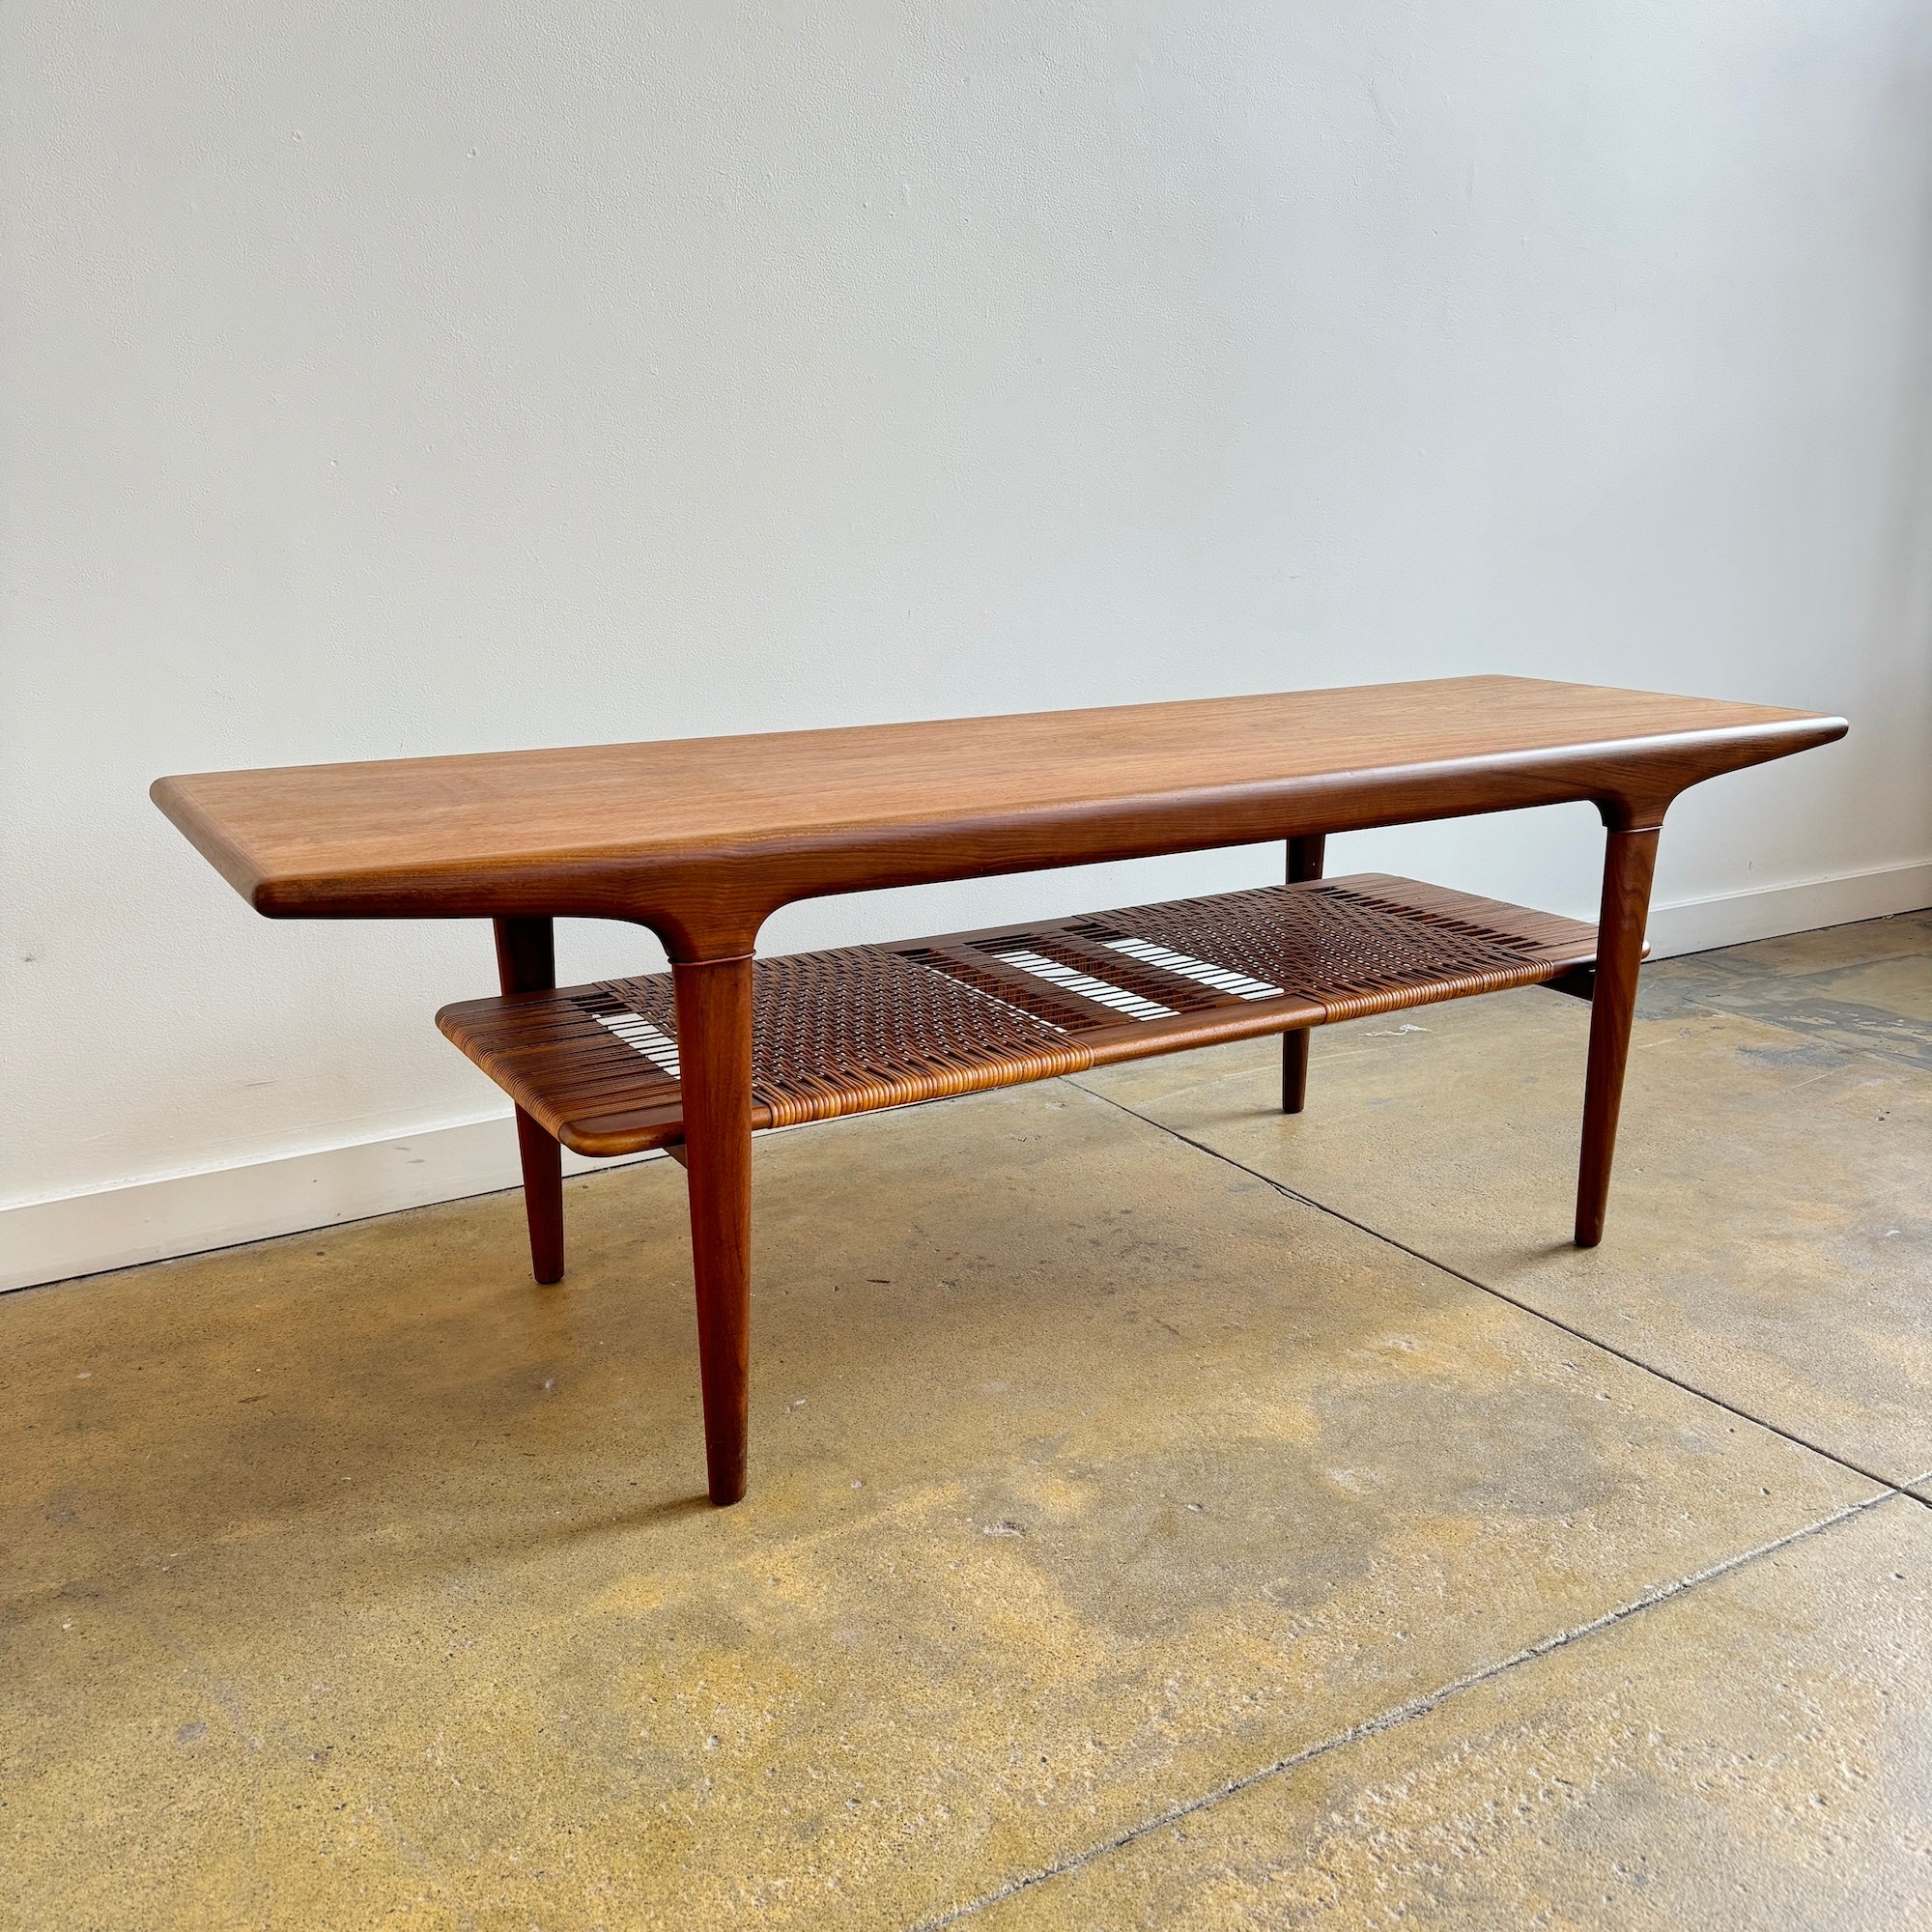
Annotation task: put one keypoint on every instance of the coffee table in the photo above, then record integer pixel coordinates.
(700, 839)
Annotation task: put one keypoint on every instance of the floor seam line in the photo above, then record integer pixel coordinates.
(1417, 1707)
(1503, 1296)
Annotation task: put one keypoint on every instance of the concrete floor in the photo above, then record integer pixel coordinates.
(1163, 1513)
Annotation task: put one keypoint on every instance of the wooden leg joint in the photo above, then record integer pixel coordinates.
(1304, 862)
(1630, 860)
(526, 963)
(714, 1037)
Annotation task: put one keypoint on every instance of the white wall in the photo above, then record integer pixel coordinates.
(394, 377)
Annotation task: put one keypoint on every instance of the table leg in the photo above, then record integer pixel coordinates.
(713, 1051)
(1304, 862)
(526, 963)
(1629, 860)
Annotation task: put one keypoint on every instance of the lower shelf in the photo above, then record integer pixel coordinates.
(866, 1026)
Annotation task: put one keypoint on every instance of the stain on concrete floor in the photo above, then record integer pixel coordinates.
(351, 1580)
(1867, 987)
(1749, 1752)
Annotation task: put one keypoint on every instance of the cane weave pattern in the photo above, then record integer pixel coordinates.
(1347, 950)
(866, 1026)
(847, 1032)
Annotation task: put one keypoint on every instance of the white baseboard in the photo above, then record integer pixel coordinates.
(250, 1201)
(1731, 919)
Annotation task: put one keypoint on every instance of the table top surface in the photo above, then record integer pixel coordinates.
(423, 833)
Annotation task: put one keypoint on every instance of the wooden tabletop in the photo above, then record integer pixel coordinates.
(701, 838)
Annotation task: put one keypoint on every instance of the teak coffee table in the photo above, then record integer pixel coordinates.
(703, 839)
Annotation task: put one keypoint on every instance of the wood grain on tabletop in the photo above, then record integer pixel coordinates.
(648, 829)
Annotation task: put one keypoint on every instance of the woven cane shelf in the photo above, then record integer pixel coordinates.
(866, 1026)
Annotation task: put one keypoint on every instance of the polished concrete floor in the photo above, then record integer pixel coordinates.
(1163, 1513)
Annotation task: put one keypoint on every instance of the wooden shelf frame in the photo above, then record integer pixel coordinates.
(861, 1028)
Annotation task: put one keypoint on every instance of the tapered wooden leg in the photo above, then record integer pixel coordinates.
(713, 1051)
(526, 963)
(1629, 862)
(1304, 862)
